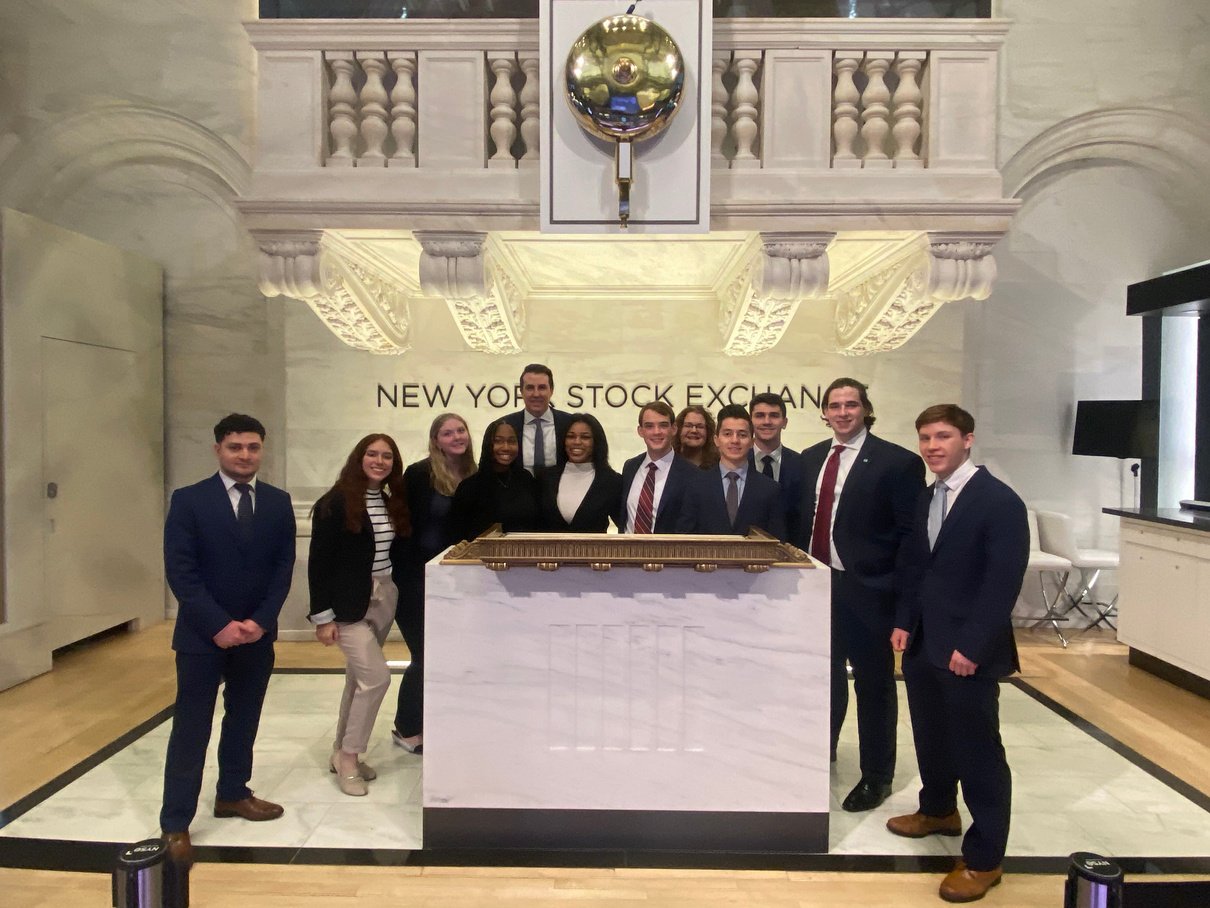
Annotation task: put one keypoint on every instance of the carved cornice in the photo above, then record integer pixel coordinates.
(481, 293)
(361, 304)
(758, 303)
(885, 309)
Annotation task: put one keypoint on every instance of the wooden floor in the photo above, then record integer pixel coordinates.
(100, 690)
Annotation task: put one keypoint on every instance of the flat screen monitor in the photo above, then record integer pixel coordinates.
(1127, 429)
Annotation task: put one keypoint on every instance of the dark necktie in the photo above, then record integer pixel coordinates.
(243, 511)
(821, 534)
(539, 447)
(767, 460)
(732, 496)
(646, 510)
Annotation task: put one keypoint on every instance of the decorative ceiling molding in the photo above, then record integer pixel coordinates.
(760, 300)
(360, 303)
(882, 311)
(483, 294)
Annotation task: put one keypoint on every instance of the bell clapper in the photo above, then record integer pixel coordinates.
(624, 174)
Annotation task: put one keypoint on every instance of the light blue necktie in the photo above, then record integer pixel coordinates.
(937, 511)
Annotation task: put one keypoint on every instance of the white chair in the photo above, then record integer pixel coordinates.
(1057, 536)
(1046, 565)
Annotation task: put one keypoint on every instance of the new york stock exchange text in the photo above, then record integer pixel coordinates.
(593, 395)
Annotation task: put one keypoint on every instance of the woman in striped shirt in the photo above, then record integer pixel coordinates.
(358, 530)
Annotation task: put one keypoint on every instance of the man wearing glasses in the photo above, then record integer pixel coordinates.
(859, 496)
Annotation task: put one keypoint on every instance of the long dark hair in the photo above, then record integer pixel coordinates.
(600, 444)
(487, 463)
(351, 488)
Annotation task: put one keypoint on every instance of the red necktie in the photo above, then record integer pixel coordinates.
(643, 513)
(821, 546)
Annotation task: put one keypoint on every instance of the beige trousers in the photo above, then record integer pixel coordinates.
(366, 674)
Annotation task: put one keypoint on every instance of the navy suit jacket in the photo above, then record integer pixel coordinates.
(677, 512)
(875, 510)
(595, 511)
(790, 480)
(562, 421)
(215, 573)
(760, 506)
(961, 593)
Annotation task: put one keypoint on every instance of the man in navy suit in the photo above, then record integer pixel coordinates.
(540, 427)
(962, 570)
(858, 494)
(737, 497)
(659, 488)
(772, 459)
(228, 556)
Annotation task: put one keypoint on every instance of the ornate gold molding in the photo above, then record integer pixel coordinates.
(359, 302)
(885, 309)
(480, 292)
(760, 300)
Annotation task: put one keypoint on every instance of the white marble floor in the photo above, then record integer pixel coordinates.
(1071, 792)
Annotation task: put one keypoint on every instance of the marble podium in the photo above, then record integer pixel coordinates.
(626, 709)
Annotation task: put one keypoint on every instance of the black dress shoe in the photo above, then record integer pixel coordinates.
(866, 796)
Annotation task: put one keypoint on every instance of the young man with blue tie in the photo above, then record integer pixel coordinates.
(736, 497)
(961, 571)
(228, 557)
(771, 458)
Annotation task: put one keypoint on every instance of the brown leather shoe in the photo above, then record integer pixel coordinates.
(965, 885)
(180, 849)
(918, 825)
(250, 808)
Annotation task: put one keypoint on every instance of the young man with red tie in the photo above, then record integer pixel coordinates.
(659, 487)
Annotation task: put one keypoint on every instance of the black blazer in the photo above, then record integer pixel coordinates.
(875, 511)
(426, 540)
(216, 574)
(482, 500)
(790, 481)
(562, 421)
(677, 512)
(963, 591)
(595, 511)
(339, 564)
(760, 506)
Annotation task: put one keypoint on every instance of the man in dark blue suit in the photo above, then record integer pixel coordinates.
(772, 459)
(961, 572)
(540, 427)
(858, 492)
(737, 497)
(228, 556)
(659, 488)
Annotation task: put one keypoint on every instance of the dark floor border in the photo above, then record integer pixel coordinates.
(100, 857)
(1177, 784)
(1173, 674)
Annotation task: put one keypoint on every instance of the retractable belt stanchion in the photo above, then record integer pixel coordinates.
(145, 878)
(1092, 882)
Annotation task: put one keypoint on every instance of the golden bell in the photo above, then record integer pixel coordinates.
(623, 82)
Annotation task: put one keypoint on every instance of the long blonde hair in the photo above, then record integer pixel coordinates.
(444, 479)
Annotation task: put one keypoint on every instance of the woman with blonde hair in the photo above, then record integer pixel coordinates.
(359, 529)
(430, 485)
(695, 437)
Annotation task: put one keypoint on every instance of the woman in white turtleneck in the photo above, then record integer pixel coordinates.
(582, 495)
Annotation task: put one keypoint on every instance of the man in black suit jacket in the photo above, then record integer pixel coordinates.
(737, 497)
(228, 557)
(858, 496)
(537, 385)
(961, 572)
(772, 459)
(673, 481)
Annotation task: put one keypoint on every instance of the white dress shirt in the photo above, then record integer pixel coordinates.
(233, 492)
(957, 482)
(848, 456)
(663, 465)
(529, 430)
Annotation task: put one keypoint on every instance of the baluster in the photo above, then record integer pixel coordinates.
(373, 108)
(504, 110)
(744, 113)
(342, 123)
(531, 128)
(875, 112)
(718, 108)
(906, 108)
(844, 110)
(403, 108)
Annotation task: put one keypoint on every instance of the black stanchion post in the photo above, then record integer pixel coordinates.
(1092, 882)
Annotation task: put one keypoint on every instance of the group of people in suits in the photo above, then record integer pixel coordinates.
(931, 572)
